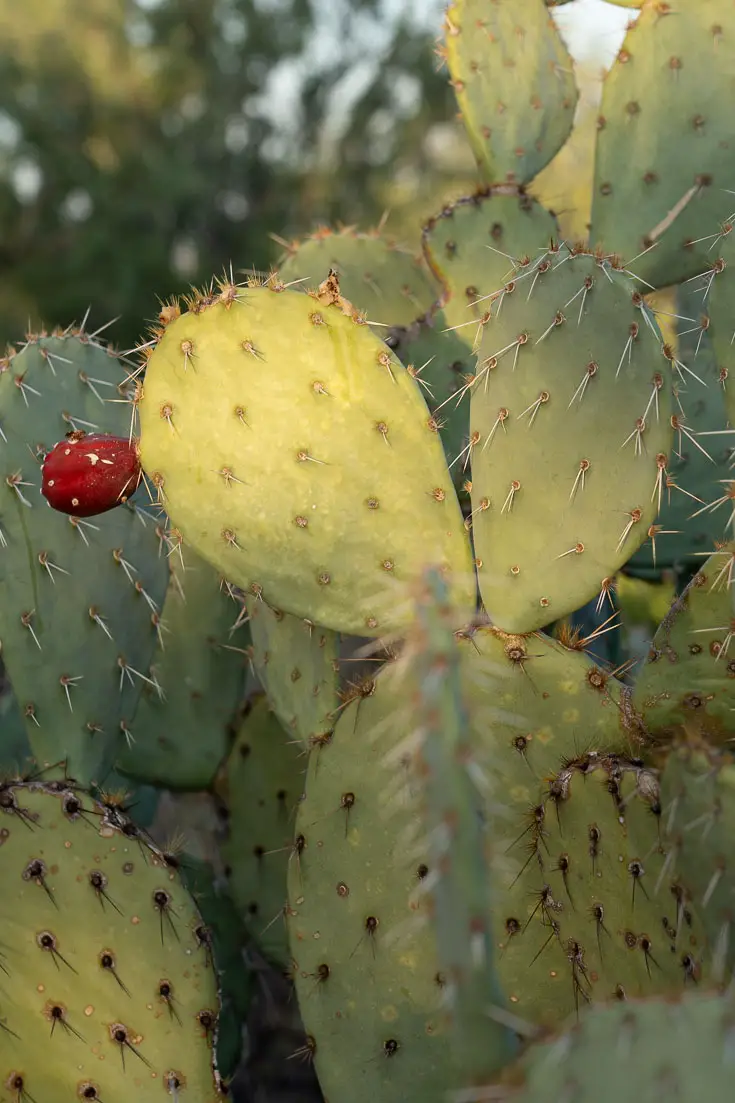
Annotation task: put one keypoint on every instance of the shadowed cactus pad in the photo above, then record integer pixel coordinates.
(571, 366)
(263, 781)
(109, 990)
(182, 735)
(689, 678)
(698, 797)
(78, 596)
(296, 453)
(642, 1050)
(297, 663)
(385, 281)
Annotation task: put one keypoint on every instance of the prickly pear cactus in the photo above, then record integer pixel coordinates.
(514, 83)
(459, 840)
(365, 959)
(182, 734)
(109, 991)
(688, 680)
(15, 751)
(262, 783)
(297, 664)
(228, 940)
(470, 247)
(633, 1050)
(698, 798)
(381, 278)
(570, 364)
(243, 478)
(663, 158)
(595, 905)
(79, 598)
(687, 525)
(716, 289)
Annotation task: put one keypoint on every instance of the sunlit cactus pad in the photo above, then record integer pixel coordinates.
(296, 453)
(570, 430)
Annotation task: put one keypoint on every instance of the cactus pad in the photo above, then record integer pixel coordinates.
(700, 463)
(664, 159)
(698, 798)
(689, 678)
(514, 83)
(78, 598)
(366, 966)
(716, 290)
(387, 282)
(290, 447)
(635, 1050)
(181, 736)
(570, 366)
(109, 991)
(297, 664)
(470, 247)
(262, 784)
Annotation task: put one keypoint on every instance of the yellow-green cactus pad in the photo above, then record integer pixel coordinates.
(664, 156)
(385, 281)
(109, 991)
(296, 453)
(570, 430)
(688, 680)
(514, 82)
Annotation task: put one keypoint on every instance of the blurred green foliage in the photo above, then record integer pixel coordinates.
(145, 144)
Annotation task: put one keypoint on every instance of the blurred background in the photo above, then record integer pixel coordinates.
(146, 145)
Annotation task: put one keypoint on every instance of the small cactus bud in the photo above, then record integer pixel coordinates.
(86, 474)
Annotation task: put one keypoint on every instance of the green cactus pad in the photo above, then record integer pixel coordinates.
(181, 738)
(366, 966)
(15, 751)
(78, 598)
(296, 454)
(637, 1050)
(698, 799)
(470, 247)
(262, 785)
(228, 941)
(297, 664)
(698, 467)
(716, 291)
(570, 420)
(689, 678)
(663, 160)
(108, 982)
(387, 282)
(514, 83)
(461, 894)
(442, 361)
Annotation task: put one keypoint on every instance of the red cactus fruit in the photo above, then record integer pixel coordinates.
(90, 473)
